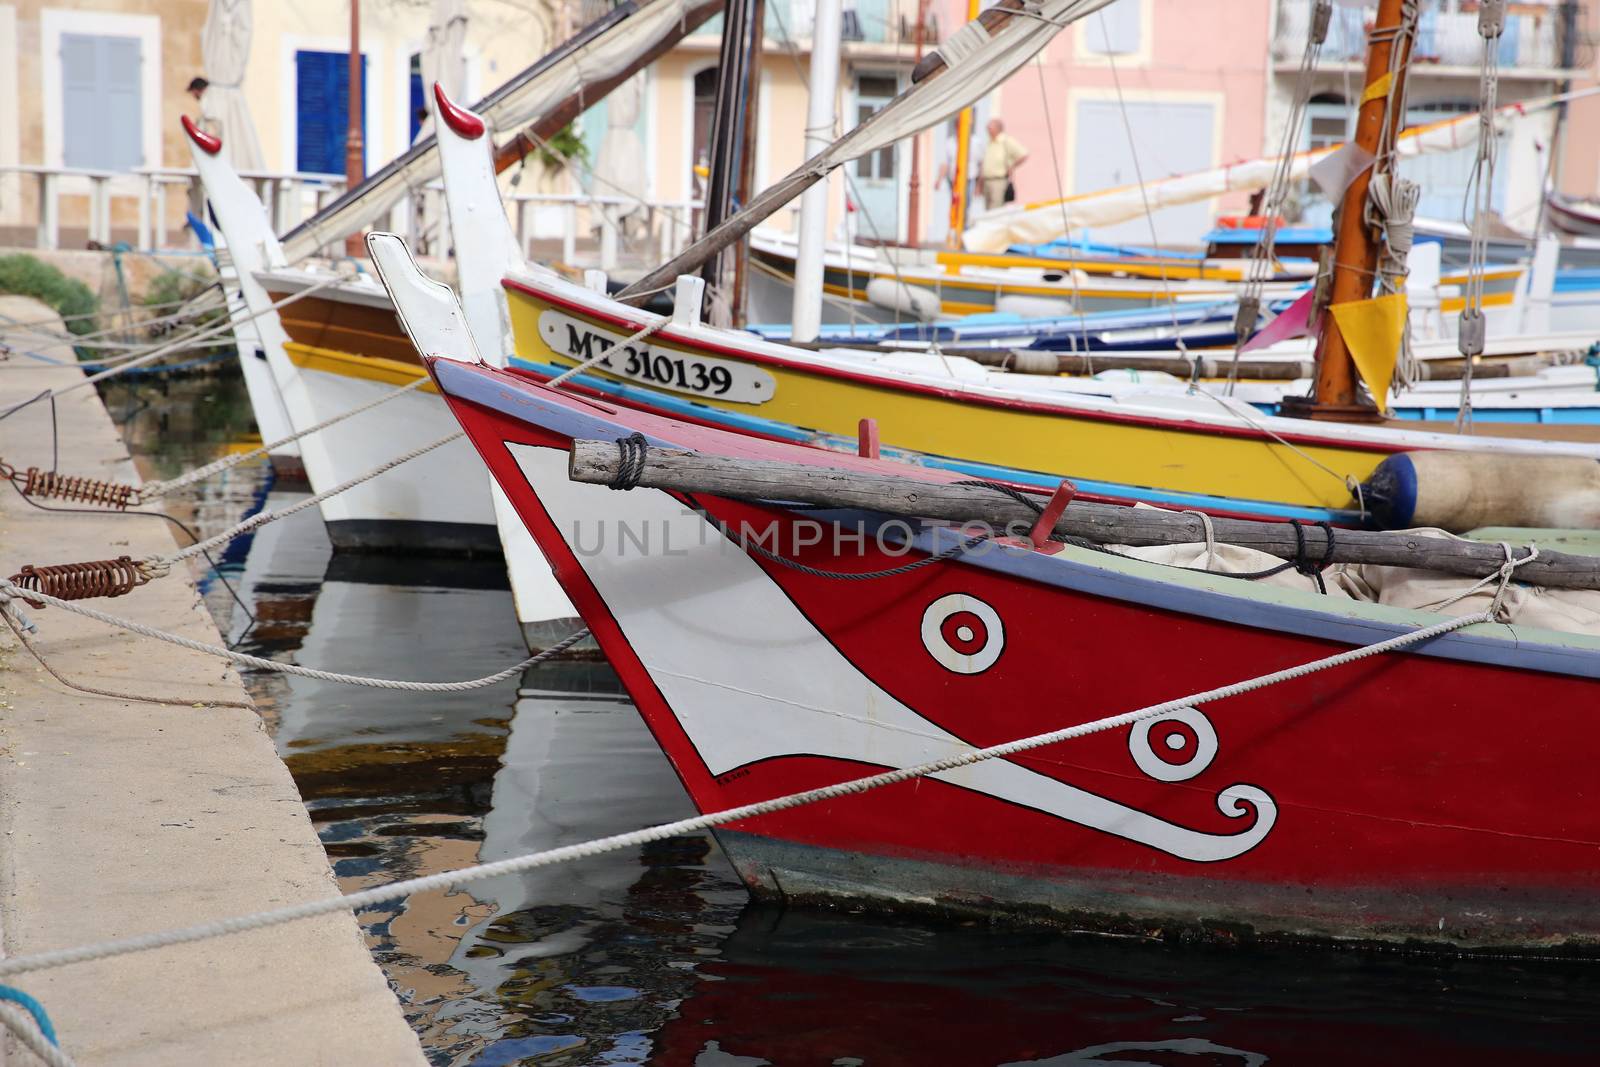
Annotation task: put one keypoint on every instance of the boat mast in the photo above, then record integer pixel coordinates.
(824, 82)
(958, 180)
(749, 135)
(726, 110)
(914, 196)
(355, 159)
(1357, 245)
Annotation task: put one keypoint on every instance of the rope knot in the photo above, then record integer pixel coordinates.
(630, 465)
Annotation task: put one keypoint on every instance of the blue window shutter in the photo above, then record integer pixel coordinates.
(81, 130)
(102, 121)
(419, 102)
(322, 107)
(121, 102)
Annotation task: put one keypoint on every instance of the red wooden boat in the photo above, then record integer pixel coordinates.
(1440, 794)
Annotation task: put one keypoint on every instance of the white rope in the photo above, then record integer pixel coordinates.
(22, 1026)
(211, 331)
(39, 330)
(156, 566)
(600, 846)
(153, 490)
(10, 592)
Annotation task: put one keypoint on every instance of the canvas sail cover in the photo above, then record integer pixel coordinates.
(225, 52)
(1049, 221)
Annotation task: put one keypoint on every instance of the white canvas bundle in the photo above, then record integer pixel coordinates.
(1042, 223)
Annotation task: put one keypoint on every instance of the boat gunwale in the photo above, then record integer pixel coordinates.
(767, 353)
(1160, 587)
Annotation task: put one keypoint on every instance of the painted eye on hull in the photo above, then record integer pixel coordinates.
(1173, 747)
(963, 634)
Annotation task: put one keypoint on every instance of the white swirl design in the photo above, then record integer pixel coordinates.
(1198, 751)
(963, 634)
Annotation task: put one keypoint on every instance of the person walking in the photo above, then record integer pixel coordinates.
(1001, 158)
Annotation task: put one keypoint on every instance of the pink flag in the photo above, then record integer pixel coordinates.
(1293, 322)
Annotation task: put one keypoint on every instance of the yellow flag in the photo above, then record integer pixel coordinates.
(1377, 89)
(1371, 330)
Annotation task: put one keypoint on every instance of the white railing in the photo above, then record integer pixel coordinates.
(1539, 35)
(290, 197)
(287, 195)
(669, 224)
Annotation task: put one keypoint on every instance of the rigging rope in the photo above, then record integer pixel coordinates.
(1476, 205)
(449, 879)
(172, 346)
(10, 591)
(1277, 192)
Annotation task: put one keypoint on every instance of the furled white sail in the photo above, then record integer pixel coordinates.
(1048, 221)
(225, 51)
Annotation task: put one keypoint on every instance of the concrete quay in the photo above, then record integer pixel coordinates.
(121, 817)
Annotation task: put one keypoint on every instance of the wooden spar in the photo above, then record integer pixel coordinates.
(1356, 245)
(1217, 366)
(787, 188)
(748, 136)
(556, 119)
(732, 66)
(1213, 363)
(597, 463)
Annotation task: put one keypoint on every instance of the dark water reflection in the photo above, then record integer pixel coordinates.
(654, 954)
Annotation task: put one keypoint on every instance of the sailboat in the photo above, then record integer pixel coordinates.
(1219, 815)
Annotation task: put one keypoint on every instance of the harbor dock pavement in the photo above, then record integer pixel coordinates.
(122, 817)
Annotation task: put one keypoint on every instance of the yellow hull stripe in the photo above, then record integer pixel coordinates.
(1191, 461)
(346, 365)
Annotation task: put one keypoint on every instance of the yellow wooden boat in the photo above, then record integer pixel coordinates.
(1201, 450)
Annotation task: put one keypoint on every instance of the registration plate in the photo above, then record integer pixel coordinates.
(656, 366)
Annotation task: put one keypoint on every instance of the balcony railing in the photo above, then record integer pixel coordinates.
(872, 22)
(1539, 35)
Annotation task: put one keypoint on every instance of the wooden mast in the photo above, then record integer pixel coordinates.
(914, 197)
(749, 137)
(1356, 247)
(958, 180)
(355, 170)
(733, 62)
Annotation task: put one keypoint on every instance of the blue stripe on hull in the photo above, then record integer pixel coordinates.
(675, 407)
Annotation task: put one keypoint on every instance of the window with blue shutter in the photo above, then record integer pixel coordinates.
(419, 98)
(322, 110)
(101, 112)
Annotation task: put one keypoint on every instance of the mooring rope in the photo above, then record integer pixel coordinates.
(23, 1026)
(10, 591)
(450, 879)
(153, 490)
(172, 346)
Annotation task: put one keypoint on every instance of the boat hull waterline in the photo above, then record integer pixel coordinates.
(1391, 799)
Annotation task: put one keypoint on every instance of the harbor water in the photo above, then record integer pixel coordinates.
(656, 954)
